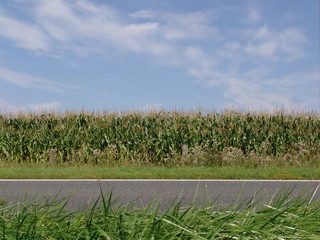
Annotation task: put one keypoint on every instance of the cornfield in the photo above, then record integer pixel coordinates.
(156, 138)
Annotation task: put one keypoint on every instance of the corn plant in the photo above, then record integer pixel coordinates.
(157, 137)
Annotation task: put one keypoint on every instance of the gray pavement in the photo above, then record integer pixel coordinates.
(140, 193)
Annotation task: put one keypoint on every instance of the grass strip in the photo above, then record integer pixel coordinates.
(284, 217)
(89, 172)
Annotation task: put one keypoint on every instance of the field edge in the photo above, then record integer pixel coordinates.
(90, 172)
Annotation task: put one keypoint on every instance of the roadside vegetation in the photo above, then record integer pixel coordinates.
(156, 139)
(282, 217)
(34, 171)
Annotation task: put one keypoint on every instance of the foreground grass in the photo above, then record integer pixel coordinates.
(284, 217)
(87, 172)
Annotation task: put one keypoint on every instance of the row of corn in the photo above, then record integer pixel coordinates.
(154, 137)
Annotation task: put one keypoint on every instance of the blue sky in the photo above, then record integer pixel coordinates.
(143, 54)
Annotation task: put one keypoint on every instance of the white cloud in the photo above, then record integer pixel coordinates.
(208, 77)
(3, 104)
(248, 93)
(143, 14)
(256, 90)
(291, 40)
(80, 26)
(46, 106)
(263, 33)
(233, 45)
(276, 45)
(189, 26)
(24, 35)
(252, 11)
(294, 79)
(84, 27)
(196, 57)
(194, 52)
(31, 82)
(151, 107)
(253, 15)
(6, 107)
(266, 49)
(61, 26)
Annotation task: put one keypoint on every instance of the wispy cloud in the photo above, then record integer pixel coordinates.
(24, 35)
(84, 27)
(144, 14)
(6, 107)
(87, 25)
(31, 82)
(276, 45)
(3, 104)
(46, 106)
(257, 90)
(151, 107)
(63, 25)
(253, 13)
(189, 26)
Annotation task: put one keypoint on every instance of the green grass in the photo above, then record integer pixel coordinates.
(283, 217)
(87, 172)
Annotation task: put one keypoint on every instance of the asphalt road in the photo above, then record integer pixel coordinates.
(140, 193)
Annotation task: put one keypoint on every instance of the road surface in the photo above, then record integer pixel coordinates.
(140, 193)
